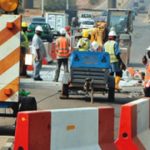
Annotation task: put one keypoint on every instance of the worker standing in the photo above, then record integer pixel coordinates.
(84, 43)
(39, 52)
(24, 49)
(112, 47)
(146, 62)
(62, 52)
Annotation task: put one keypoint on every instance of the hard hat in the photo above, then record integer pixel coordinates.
(148, 49)
(39, 28)
(94, 45)
(112, 33)
(85, 33)
(62, 31)
(24, 24)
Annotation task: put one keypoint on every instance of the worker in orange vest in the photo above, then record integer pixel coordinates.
(146, 62)
(62, 52)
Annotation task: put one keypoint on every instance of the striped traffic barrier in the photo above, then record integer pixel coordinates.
(134, 131)
(10, 30)
(52, 51)
(66, 129)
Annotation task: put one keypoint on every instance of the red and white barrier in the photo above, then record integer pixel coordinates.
(134, 132)
(66, 129)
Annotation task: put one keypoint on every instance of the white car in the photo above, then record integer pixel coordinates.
(87, 24)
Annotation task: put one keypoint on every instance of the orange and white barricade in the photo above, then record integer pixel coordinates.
(10, 31)
(66, 129)
(134, 132)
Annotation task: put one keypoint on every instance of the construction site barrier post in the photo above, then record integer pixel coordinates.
(134, 130)
(66, 129)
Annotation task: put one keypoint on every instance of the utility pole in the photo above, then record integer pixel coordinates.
(111, 3)
(42, 5)
(67, 4)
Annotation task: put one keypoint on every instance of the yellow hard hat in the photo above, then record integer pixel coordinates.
(85, 33)
(24, 24)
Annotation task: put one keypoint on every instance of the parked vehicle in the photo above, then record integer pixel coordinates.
(87, 24)
(122, 21)
(47, 33)
(56, 21)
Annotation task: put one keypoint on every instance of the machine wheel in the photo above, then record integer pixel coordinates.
(111, 94)
(27, 103)
(147, 92)
(65, 92)
(111, 89)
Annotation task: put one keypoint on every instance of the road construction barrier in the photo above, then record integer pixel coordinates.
(52, 51)
(66, 129)
(134, 132)
(10, 31)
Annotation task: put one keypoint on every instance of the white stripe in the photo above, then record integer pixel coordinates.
(138, 101)
(84, 136)
(6, 18)
(9, 76)
(9, 46)
(142, 116)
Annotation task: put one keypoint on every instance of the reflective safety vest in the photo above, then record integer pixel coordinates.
(110, 48)
(24, 41)
(62, 45)
(84, 44)
(147, 77)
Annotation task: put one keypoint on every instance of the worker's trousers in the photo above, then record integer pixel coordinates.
(61, 61)
(37, 68)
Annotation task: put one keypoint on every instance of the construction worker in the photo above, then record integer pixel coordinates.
(94, 46)
(62, 52)
(24, 49)
(39, 52)
(112, 47)
(146, 62)
(84, 43)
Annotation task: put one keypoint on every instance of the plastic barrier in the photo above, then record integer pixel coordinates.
(52, 51)
(134, 132)
(66, 129)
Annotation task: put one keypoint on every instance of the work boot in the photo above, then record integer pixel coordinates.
(117, 81)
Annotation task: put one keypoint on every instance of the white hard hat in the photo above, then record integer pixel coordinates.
(62, 31)
(94, 45)
(39, 28)
(148, 49)
(112, 33)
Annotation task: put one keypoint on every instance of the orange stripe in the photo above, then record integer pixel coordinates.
(14, 85)
(6, 34)
(10, 60)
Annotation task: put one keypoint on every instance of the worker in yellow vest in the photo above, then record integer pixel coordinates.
(24, 49)
(112, 47)
(84, 43)
(146, 62)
